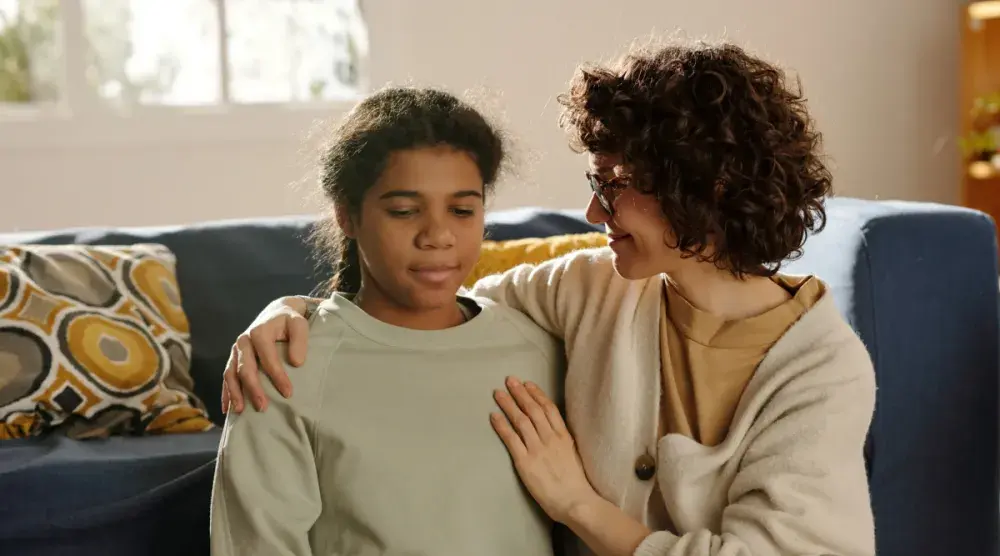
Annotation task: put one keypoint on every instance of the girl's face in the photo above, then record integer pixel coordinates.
(420, 228)
(639, 234)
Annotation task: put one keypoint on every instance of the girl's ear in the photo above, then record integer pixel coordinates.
(344, 221)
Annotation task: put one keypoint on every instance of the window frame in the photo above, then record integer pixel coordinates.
(81, 119)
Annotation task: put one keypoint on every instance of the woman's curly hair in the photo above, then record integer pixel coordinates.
(720, 138)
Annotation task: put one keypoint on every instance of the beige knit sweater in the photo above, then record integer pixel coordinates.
(789, 478)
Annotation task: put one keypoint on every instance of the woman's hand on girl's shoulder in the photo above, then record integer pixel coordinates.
(284, 319)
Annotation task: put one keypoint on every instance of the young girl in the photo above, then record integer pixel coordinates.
(386, 449)
(716, 406)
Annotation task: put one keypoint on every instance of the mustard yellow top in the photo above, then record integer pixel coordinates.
(707, 361)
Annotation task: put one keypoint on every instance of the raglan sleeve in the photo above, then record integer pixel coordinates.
(266, 494)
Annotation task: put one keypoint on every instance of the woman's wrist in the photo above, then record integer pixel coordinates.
(604, 527)
(584, 512)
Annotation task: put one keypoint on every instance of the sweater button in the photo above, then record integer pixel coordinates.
(645, 467)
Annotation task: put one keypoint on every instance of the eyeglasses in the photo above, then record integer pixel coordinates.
(607, 191)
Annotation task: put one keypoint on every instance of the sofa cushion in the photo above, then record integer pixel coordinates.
(115, 496)
(94, 341)
(499, 256)
(227, 272)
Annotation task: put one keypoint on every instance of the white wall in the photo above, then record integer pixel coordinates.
(881, 78)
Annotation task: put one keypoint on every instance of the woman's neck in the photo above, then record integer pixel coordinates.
(382, 307)
(718, 292)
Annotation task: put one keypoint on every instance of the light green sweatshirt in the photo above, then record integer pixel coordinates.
(386, 447)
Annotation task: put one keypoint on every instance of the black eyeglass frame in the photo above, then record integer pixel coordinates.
(607, 191)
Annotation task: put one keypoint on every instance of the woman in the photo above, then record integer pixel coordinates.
(385, 449)
(714, 406)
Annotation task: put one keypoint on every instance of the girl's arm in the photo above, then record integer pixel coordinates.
(266, 495)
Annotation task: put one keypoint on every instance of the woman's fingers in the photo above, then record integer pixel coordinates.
(510, 438)
(549, 408)
(526, 401)
(231, 385)
(283, 319)
(298, 340)
(263, 346)
(520, 421)
(248, 373)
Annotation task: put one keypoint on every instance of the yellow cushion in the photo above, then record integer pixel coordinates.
(94, 342)
(500, 256)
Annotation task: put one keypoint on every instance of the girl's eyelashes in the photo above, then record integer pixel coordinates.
(463, 212)
(401, 213)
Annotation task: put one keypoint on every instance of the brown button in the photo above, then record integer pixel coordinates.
(645, 467)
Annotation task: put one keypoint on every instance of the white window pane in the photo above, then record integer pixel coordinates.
(294, 50)
(154, 51)
(30, 67)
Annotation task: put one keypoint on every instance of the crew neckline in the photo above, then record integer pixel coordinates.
(473, 331)
(711, 330)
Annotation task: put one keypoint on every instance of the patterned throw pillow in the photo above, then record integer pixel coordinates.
(94, 342)
(500, 256)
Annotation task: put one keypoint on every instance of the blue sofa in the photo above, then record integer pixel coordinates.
(917, 281)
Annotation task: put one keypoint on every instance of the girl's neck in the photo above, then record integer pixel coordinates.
(720, 293)
(382, 307)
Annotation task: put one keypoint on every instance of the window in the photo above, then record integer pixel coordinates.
(130, 54)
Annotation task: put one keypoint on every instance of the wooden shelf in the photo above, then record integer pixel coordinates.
(984, 195)
(980, 76)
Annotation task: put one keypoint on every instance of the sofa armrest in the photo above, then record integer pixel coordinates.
(918, 282)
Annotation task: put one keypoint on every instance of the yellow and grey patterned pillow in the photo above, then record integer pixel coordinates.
(500, 256)
(94, 342)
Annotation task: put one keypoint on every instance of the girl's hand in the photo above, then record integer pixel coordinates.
(542, 448)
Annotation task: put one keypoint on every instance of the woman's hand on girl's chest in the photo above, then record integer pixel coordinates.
(542, 448)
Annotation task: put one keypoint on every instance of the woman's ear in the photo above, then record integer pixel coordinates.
(344, 221)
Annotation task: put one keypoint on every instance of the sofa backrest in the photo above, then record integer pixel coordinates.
(918, 282)
(229, 270)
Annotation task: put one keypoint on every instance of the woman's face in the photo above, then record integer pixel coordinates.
(421, 227)
(639, 234)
